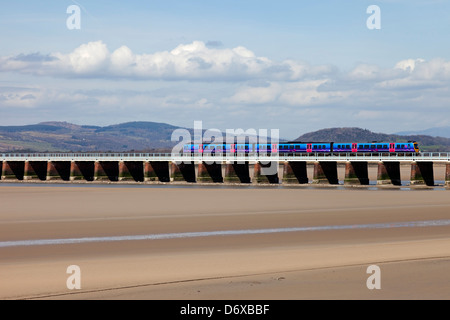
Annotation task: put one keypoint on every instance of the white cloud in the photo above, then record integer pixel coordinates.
(194, 61)
(408, 64)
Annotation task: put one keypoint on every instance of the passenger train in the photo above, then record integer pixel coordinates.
(304, 147)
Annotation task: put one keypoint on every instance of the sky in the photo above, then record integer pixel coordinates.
(297, 66)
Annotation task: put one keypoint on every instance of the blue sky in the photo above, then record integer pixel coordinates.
(297, 66)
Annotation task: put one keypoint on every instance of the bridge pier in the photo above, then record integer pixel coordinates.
(422, 173)
(149, 172)
(58, 170)
(13, 170)
(389, 173)
(82, 170)
(260, 178)
(182, 172)
(295, 172)
(356, 173)
(35, 170)
(156, 171)
(106, 171)
(325, 172)
(209, 172)
(131, 171)
(237, 172)
(447, 174)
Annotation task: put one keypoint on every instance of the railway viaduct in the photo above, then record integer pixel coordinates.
(292, 169)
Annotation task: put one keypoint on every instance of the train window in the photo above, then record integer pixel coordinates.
(314, 147)
(297, 146)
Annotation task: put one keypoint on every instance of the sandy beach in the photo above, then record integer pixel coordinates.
(163, 243)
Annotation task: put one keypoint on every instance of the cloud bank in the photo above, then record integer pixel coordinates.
(194, 61)
(202, 62)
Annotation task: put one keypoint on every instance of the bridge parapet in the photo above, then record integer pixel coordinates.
(252, 157)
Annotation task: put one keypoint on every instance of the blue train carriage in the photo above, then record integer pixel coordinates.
(266, 147)
(320, 147)
(218, 148)
(215, 148)
(242, 148)
(291, 147)
(191, 148)
(305, 147)
(407, 147)
(388, 147)
(376, 147)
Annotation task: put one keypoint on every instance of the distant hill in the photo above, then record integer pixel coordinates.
(434, 132)
(426, 143)
(156, 137)
(66, 137)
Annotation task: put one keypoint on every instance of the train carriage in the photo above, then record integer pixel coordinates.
(304, 147)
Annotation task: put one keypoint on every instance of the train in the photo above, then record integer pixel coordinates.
(303, 147)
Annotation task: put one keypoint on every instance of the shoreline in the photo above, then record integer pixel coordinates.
(441, 185)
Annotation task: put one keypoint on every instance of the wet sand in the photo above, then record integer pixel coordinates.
(327, 263)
